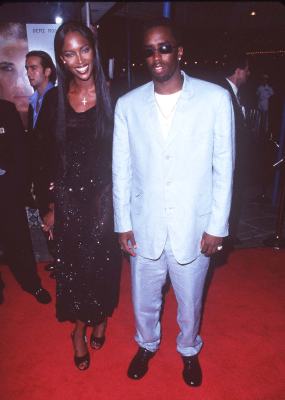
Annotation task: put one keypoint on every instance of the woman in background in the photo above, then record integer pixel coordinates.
(88, 259)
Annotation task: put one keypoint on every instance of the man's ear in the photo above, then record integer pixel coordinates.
(237, 72)
(48, 72)
(180, 52)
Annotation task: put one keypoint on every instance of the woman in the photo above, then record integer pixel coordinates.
(88, 259)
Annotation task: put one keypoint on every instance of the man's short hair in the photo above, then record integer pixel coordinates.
(234, 61)
(166, 22)
(46, 62)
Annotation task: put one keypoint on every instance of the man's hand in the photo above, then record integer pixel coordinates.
(210, 244)
(127, 242)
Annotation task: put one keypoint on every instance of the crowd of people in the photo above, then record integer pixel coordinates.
(159, 179)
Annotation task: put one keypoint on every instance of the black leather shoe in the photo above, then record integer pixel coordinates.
(139, 364)
(41, 295)
(50, 267)
(192, 373)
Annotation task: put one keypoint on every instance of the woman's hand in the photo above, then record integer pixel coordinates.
(48, 222)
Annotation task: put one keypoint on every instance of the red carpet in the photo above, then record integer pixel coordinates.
(243, 329)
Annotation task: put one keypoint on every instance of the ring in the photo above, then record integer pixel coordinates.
(42, 226)
(219, 248)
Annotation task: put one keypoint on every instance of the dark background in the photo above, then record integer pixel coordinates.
(209, 30)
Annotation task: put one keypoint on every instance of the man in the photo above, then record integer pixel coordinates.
(266, 104)
(14, 229)
(172, 177)
(236, 74)
(264, 92)
(41, 72)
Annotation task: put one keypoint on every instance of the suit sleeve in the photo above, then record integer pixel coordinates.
(20, 153)
(122, 172)
(223, 166)
(44, 152)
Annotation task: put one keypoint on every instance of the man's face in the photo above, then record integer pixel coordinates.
(243, 75)
(161, 66)
(14, 84)
(38, 77)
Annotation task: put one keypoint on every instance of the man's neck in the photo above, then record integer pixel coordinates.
(233, 85)
(233, 80)
(171, 86)
(42, 89)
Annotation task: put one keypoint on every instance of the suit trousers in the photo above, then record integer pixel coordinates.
(17, 245)
(148, 278)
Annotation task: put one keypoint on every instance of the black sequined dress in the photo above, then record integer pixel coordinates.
(87, 253)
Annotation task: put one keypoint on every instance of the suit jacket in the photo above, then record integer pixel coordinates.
(181, 186)
(42, 149)
(13, 156)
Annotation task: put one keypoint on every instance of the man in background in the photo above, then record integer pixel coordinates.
(264, 92)
(236, 73)
(14, 229)
(41, 73)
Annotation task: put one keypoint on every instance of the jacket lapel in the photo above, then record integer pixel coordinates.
(150, 116)
(182, 108)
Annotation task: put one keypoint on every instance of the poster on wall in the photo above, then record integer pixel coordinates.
(16, 40)
(41, 37)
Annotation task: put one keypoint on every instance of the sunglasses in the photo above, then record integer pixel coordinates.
(162, 49)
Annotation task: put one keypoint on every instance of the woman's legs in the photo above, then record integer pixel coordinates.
(97, 338)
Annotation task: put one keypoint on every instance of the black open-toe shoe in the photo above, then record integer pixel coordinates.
(97, 342)
(83, 362)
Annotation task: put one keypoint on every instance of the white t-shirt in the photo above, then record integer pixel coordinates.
(166, 105)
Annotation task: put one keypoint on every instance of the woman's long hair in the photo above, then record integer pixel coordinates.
(104, 112)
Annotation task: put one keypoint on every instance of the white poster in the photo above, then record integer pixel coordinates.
(41, 37)
(16, 40)
(14, 83)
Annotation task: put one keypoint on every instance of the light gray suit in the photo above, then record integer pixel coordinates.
(171, 191)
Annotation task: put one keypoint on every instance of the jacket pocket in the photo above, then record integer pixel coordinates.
(204, 213)
(137, 202)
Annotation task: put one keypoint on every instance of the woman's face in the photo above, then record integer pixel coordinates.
(14, 83)
(77, 56)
